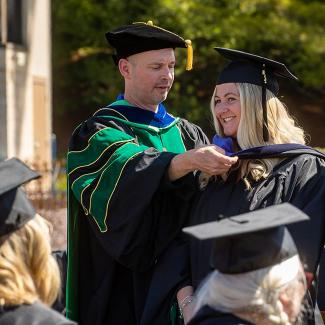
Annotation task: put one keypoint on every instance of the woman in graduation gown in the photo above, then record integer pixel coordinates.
(274, 164)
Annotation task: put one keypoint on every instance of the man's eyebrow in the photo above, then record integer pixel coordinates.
(160, 63)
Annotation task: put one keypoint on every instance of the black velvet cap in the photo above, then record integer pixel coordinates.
(141, 37)
(251, 241)
(15, 208)
(247, 67)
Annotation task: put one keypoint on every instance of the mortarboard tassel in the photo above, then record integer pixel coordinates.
(189, 62)
(265, 124)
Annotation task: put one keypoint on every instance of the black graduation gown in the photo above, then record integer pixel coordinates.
(209, 316)
(115, 268)
(34, 314)
(299, 179)
(61, 259)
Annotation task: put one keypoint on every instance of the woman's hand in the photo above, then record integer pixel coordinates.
(185, 301)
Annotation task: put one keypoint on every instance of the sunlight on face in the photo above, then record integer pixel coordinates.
(227, 108)
(152, 75)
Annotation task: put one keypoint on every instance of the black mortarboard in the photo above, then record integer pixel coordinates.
(251, 241)
(15, 208)
(254, 69)
(141, 37)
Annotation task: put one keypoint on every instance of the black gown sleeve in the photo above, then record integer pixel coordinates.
(144, 211)
(308, 195)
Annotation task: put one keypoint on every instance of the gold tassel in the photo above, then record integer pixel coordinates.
(189, 62)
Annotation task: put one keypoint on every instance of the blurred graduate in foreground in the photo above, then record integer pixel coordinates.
(29, 275)
(251, 284)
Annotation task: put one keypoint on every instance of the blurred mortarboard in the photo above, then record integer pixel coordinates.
(15, 208)
(141, 37)
(251, 241)
(254, 69)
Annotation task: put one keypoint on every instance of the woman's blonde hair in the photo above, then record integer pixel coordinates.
(28, 272)
(281, 127)
(253, 295)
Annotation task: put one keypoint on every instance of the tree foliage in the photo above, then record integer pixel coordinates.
(85, 78)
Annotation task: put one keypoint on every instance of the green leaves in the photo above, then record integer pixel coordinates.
(85, 78)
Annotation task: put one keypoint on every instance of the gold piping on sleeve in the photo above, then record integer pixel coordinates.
(126, 141)
(109, 199)
(77, 151)
(81, 199)
(81, 194)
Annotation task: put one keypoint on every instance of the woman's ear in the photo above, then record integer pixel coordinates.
(286, 302)
(291, 302)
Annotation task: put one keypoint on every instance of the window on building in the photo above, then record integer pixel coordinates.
(14, 21)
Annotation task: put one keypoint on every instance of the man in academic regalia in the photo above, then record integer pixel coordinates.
(130, 181)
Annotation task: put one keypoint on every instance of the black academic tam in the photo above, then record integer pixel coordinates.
(140, 37)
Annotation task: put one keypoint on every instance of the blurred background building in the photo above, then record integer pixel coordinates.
(26, 83)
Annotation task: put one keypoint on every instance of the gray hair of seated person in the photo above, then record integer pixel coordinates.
(252, 295)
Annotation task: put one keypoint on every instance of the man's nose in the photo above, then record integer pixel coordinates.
(167, 73)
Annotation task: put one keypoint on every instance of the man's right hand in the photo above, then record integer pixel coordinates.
(209, 159)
